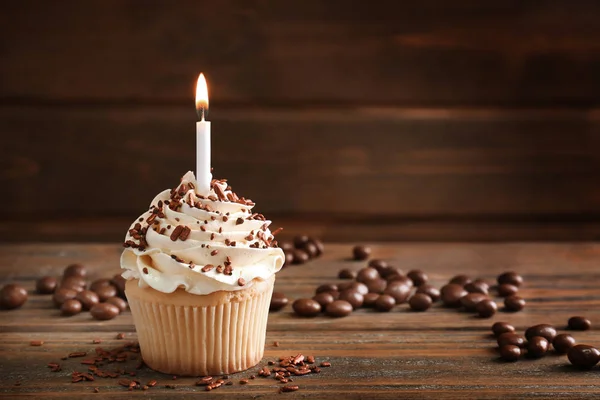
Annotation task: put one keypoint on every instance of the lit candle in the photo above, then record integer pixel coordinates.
(203, 174)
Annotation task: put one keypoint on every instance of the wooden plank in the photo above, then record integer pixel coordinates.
(441, 353)
(270, 52)
(336, 228)
(111, 161)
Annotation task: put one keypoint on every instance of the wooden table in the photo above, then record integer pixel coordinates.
(441, 353)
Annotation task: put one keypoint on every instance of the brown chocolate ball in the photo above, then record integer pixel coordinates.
(75, 270)
(87, 298)
(104, 311)
(119, 302)
(338, 309)
(306, 307)
(385, 303)
(46, 285)
(70, 307)
(361, 252)
(353, 297)
(278, 301)
(420, 302)
(12, 296)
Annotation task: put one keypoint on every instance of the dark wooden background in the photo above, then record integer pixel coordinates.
(386, 120)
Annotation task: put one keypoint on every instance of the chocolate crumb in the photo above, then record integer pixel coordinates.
(325, 364)
(96, 390)
(225, 218)
(243, 381)
(121, 336)
(289, 389)
(152, 383)
(77, 354)
(241, 282)
(207, 267)
(36, 343)
(145, 270)
(214, 252)
(276, 344)
(239, 221)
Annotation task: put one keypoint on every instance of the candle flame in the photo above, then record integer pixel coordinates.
(201, 97)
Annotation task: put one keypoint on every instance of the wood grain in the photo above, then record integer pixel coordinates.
(334, 52)
(441, 353)
(384, 162)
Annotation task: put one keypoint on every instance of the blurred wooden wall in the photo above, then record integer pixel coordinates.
(385, 120)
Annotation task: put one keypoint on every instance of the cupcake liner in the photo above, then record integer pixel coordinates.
(194, 335)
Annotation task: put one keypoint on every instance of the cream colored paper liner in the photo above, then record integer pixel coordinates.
(194, 335)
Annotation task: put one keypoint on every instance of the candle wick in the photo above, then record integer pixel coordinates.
(202, 112)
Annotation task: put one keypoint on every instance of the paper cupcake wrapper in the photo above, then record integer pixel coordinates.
(201, 340)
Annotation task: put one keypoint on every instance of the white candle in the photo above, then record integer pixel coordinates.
(203, 174)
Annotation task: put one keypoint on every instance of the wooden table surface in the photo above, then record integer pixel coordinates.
(442, 353)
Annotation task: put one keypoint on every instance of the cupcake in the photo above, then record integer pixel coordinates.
(200, 272)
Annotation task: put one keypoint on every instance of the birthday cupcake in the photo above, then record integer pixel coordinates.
(200, 271)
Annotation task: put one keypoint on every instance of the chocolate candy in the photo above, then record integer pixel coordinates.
(510, 352)
(404, 280)
(300, 256)
(278, 301)
(106, 292)
(63, 294)
(359, 287)
(119, 282)
(311, 249)
(300, 241)
(370, 299)
(502, 327)
(318, 244)
(461, 280)
(347, 274)
(506, 289)
(385, 303)
(306, 307)
(398, 290)
(12, 296)
(119, 302)
(379, 265)
(339, 308)
(537, 346)
(327, 287)
(289, 257)
(510, 277)
(579, 323)
(104, 311)
(477, 286)
(470, 300)
(420, 302)
(75, 270)
(353, 297)
(324, 299)
(70, 307)
(367, 274)
(73, 282)
(511, 338)
(361, 252)
(486, 308)
(451, 294)
(98, 283)
(514, 303)
(563, 342)
(87, 298)
(430, 291)
(418, 277)
(46, 285)
(389, 273)
(544, 330)
(377, 285)
(286, 246)
(583, 356)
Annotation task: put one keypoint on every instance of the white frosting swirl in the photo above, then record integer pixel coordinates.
(221, 230)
